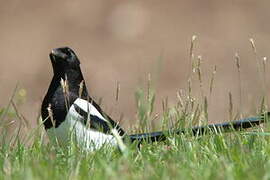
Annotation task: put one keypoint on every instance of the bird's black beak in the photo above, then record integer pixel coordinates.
(57, 54)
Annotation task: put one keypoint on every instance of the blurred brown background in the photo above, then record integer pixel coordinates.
(125, 40)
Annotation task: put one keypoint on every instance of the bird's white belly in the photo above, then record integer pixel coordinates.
(72, 129)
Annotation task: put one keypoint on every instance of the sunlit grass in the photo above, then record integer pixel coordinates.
(25, 152)
(215, 156)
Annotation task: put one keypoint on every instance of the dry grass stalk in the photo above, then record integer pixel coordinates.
(252, 42)
(65, 88)
(117, 91)
(230, 106)
(148, 87)
(19, 115)
(238, 66)
(81, 88)
(200, 75)
(49, 108)
(205, 108)
(212, 80)
(191, 53)
(180, 100)
(265, 76)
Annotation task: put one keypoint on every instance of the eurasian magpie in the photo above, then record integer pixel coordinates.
(68, 111)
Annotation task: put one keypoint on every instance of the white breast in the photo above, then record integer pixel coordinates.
(73, 128)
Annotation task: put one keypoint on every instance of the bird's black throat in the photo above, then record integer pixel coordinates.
(58, 100)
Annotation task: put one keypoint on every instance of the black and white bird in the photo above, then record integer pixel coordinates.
(68, 111)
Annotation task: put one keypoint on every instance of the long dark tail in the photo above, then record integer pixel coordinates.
(201, 130)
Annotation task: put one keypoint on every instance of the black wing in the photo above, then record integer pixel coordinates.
(98, 123)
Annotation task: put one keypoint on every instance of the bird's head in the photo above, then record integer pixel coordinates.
(64, 59)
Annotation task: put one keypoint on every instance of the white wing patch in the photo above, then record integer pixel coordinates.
(73, 128)
(89, 108)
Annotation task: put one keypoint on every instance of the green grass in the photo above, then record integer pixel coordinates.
(25, 152)
(223, 156)
(235, 155)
